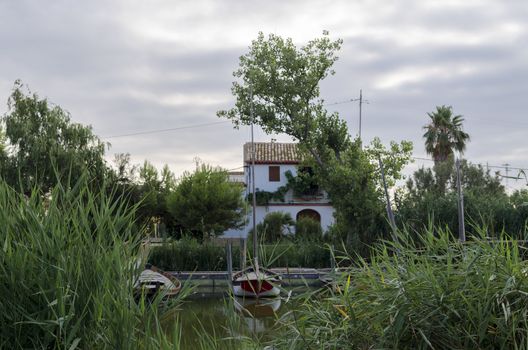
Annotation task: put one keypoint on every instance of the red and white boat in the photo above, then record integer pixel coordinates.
(256, 283)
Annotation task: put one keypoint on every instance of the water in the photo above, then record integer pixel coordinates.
(203, 317)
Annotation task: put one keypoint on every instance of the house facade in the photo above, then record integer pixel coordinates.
(275, 164)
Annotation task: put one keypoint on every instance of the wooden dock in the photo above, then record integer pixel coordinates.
(290, 277)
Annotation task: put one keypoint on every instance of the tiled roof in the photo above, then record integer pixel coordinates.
(272, 153)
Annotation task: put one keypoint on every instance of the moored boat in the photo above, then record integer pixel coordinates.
(153, 281)
(256, 283)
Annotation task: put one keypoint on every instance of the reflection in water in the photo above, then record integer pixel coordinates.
(253, 311)
(221, 316)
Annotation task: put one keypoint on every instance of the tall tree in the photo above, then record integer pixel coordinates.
(444, 134)
(284, 82)
(46, 145)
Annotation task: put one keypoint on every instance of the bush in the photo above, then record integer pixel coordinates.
(275, 226)
(308, 229)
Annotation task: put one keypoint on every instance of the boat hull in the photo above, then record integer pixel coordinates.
(241, 292)
(256, 283)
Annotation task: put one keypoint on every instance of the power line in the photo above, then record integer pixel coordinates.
(157, 131)
(483, 165)
(342, 102)
(166, 130)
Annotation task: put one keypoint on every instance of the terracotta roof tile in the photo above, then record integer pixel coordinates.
(272, 152)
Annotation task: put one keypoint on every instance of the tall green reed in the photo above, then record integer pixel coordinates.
(425, 291)
(67, 266)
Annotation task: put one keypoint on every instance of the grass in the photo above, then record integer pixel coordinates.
(67, 268)
(429, 292)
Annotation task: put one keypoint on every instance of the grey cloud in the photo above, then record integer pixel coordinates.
(94, 60)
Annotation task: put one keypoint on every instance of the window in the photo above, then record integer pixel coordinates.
(309, 213)
(274, 173)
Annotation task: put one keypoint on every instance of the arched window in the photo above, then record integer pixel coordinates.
(309, 213)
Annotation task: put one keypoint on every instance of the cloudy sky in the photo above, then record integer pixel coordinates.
(128, 67)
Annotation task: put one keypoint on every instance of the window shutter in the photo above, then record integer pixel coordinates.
(274, 173)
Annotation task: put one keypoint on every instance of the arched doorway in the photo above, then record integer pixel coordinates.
(309, 213)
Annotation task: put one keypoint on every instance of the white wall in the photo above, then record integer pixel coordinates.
(262, 176)
(326, 212)
(262, 183)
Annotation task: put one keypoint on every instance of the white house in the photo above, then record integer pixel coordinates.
(272, 161)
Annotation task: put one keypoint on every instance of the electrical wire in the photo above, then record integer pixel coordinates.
(481, 164)
(166, 130)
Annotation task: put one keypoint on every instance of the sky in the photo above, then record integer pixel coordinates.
(129, 67)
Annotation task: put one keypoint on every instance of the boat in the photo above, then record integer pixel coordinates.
(153, 281)
(254, 281)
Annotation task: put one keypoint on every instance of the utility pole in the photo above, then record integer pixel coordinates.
(360, 105)
(197, 161)
(254, 202)
(461, 225)
(361, 101)
(507, 165)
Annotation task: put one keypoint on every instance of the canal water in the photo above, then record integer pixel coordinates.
(204, 317)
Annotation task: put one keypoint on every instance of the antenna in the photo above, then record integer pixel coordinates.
(361, 102)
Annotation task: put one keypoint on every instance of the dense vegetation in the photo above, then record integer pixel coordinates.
(40, 147)
(430, 198)
(190, 255)
(67, 269)
(426, 291)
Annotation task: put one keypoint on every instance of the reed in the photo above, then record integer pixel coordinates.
(426, 291)
(188, 254)
(67, 267)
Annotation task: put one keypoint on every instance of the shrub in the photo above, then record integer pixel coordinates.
(275, 226)
(308, 229)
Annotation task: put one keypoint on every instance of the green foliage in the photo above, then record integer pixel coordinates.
(351, 184)
(297, 254)
(190, 255)
(284, 81)
(305, 183)
(308, 229)
(46, 145)
(430, 292)
(266, 197)
(285, 84)
(275, 226)
(444, 134)
(430, 196)
(68, 266)
(206, 204)
(144, 186)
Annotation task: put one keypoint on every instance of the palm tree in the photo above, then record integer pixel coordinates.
(444, 134)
